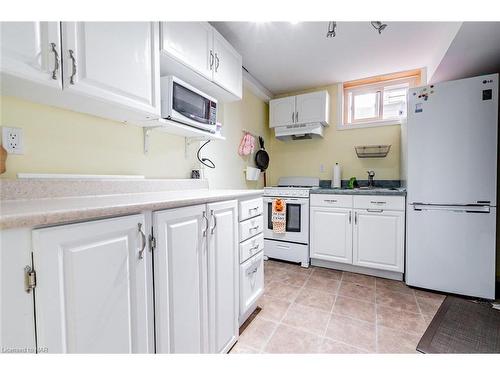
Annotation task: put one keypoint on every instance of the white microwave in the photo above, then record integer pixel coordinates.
(181, 102)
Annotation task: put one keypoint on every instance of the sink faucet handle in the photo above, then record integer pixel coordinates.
(371, 173)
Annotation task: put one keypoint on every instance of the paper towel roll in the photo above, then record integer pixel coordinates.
(337, 171)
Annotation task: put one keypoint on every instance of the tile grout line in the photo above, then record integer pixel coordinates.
(284, 315)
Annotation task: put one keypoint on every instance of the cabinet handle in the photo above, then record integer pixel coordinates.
(204, 233)
(293, 117)
(254, 228)
(143, 238)
(297, 116)
(350, 214)
(215, 221)
(330, 200)
(378, 202)
(372, 210)
(73, 67)
(254, 247)
(211, 59)
(253, 209)
(356, 218)
(216, 62)
(56, 62)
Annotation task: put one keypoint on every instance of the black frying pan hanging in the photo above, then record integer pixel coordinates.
(262, 157)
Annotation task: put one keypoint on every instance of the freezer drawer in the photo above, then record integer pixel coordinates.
(451, 250)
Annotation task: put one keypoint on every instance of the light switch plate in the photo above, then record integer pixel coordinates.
(12, 140)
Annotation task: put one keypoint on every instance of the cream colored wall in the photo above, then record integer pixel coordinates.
(62, 141)
(305, 157)
(251, 114)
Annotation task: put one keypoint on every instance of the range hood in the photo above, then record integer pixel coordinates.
(299, 131)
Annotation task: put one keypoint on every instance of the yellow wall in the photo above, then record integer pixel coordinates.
(250, 114)
(305, 157)
(62, 141)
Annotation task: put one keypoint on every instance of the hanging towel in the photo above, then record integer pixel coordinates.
(247, 145)
(279, 215)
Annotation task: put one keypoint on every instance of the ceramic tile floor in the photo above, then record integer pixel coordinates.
(318, 310)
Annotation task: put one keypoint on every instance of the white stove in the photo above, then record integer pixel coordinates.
(293, 245)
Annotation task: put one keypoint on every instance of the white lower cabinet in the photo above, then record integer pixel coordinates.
(196, 278)
(252, 281)
(331, 234)
(92, 291)
(223, 278)
(364, 231)
(378, 239)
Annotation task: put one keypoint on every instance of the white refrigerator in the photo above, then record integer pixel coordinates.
(451, 159)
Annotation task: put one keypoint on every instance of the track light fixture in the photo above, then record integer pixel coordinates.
(379, 26)
(331, 29)
(332, 25)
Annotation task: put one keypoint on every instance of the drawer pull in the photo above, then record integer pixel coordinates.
(331, 200)
(378, 202)
(372, 210)
(254, 247)
(255, 227)
(253, 209)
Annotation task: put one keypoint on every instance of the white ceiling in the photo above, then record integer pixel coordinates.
(474, 51)
(286, 57)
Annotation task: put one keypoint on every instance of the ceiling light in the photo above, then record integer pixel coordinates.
(331, 29)
(379, 26)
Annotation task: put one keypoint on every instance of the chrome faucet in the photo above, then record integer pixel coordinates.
(371, 175)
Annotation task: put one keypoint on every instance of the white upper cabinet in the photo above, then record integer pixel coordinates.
(198, 54)
(312, 107)
(92, 292)
(378, 239)
(181, 280)
(223, 277)
(32, 51)
(331, 234)
(227, 65)
(282, 111)
(308, 108)
(191, 43)
(116, 62)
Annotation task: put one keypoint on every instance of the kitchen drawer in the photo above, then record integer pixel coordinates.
(331, 200)
(251, 282)
(250, 208)
(251, 247)
(379, 202)
(251, 227)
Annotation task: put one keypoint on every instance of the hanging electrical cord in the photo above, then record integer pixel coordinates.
(205, 161)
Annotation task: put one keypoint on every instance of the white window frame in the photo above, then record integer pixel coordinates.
(342, 93)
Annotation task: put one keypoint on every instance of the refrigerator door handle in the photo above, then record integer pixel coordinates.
(456, 208)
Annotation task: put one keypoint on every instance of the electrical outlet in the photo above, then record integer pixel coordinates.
(12, 140)
(322, 168)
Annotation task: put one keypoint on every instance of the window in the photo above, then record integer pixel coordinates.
(377, 100)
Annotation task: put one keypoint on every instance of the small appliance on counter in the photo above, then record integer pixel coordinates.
(292, 244)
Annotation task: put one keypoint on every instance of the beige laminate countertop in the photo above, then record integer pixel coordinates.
(49, 211)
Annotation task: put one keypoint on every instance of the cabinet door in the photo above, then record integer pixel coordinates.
(32, 50)
(116, 62)
(282, 111)
(378, 239)
(223, 279)
(312, 107)
(227, 66)
(180, 280)
(331, 234)
(191, 43)
(91, 294)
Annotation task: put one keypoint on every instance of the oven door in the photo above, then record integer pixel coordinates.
(297, 220)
